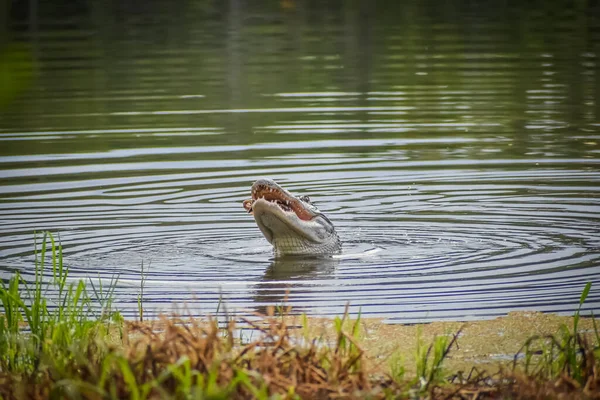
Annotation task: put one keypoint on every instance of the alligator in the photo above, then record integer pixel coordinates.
(292, 224)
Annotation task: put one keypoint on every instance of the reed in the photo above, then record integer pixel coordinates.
(32, 327)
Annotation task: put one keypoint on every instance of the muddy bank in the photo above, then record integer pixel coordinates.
(485, 344)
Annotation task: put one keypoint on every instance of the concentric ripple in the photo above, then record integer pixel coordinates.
(419, 244)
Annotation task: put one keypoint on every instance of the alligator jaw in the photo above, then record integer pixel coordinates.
(271, 192)
(291, 224)
(272, 218)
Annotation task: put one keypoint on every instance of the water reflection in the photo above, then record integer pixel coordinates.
(287, 278)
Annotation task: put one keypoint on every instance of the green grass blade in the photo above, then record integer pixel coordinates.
(585, 293)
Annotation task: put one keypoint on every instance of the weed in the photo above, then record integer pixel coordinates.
(565, 361)
(54, 328)
(429, 361)
(140, 298)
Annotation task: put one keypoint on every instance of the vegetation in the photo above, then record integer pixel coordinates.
(78, 347)
(564, 362)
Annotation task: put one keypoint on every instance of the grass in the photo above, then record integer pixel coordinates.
(52, 329)
(65, 348)
(567, 359)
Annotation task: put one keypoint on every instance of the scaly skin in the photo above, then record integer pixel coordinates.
(293, 225)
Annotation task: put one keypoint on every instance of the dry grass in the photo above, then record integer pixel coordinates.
(187, 359)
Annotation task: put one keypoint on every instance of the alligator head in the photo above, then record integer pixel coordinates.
(293, 225)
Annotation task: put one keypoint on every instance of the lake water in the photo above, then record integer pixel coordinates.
(455, 147)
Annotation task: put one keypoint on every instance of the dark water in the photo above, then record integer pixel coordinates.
(455, 147)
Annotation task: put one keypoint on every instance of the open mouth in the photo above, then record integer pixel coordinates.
(284, 205)
(273, 195)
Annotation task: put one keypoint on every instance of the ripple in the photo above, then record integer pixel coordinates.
(419, 245)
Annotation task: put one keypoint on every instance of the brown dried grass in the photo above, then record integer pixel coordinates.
(176, 357)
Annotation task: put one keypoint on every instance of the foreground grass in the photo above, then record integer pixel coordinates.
(77, 347)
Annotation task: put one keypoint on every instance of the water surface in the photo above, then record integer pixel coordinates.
(456, 150)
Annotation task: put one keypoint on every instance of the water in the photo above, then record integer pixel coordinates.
(455, 148)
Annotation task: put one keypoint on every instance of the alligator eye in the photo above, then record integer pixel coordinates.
(305, 199)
